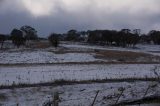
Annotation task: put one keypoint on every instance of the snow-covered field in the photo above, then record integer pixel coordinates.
(42, 73)
(150, 49)
(71, 53)
(51, 55)
(78, 95)
(44, 57)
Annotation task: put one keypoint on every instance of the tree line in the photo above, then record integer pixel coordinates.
(19, 36)
(23, 35)
(122, 38)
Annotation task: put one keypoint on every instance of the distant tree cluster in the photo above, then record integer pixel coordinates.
(20, 36)
(17, 38)
(72, 35)
(155, 36)
(30, 33)
(152, 37)
(122, 38)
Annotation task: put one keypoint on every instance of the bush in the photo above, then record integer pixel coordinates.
(54, 39)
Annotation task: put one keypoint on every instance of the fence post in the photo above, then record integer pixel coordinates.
(56, 98)
(121, 90)
(95, 98)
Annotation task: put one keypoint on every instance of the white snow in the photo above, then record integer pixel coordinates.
(44, 57)
(73, 95)
(48, 55)
(38, 74)
(144, 48)
(80, 94)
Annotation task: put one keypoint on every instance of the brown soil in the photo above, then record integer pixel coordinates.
(125, 56)
(39, 45)
(72, 63)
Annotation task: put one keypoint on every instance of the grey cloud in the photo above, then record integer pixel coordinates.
(91, 16)
(1, 0)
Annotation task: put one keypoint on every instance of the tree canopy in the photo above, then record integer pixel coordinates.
(31, 33)
(17, 37)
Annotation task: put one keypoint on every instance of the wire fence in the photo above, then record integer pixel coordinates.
(94, 97)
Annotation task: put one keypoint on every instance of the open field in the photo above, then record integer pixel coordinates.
(44, 57)
(41, 74)
(143, 48)
(31, 76)
(78, 54)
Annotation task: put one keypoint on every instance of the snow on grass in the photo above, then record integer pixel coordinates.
(43, 57)
(139, 47)
(47, 55)
(80, 94)
(41, 74)
(145, 48)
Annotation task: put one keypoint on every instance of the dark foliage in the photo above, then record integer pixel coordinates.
(54, 39)
(122, 38)
(2, 39)
(155, 36)
(145, 39)
(72, 35)
(31, 33)
(17, 37)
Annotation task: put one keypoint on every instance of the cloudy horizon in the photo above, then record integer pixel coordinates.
(59, 16)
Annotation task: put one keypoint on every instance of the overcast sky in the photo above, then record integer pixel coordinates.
(59, 16)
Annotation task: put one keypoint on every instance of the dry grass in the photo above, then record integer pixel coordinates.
(39, 44)
(62, 82)
(126, 56)
(75, 63)
(64, 52)
(2, 97)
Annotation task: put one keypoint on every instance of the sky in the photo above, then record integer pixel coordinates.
(59, 16)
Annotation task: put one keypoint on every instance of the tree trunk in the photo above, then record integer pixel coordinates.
(2, 44)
